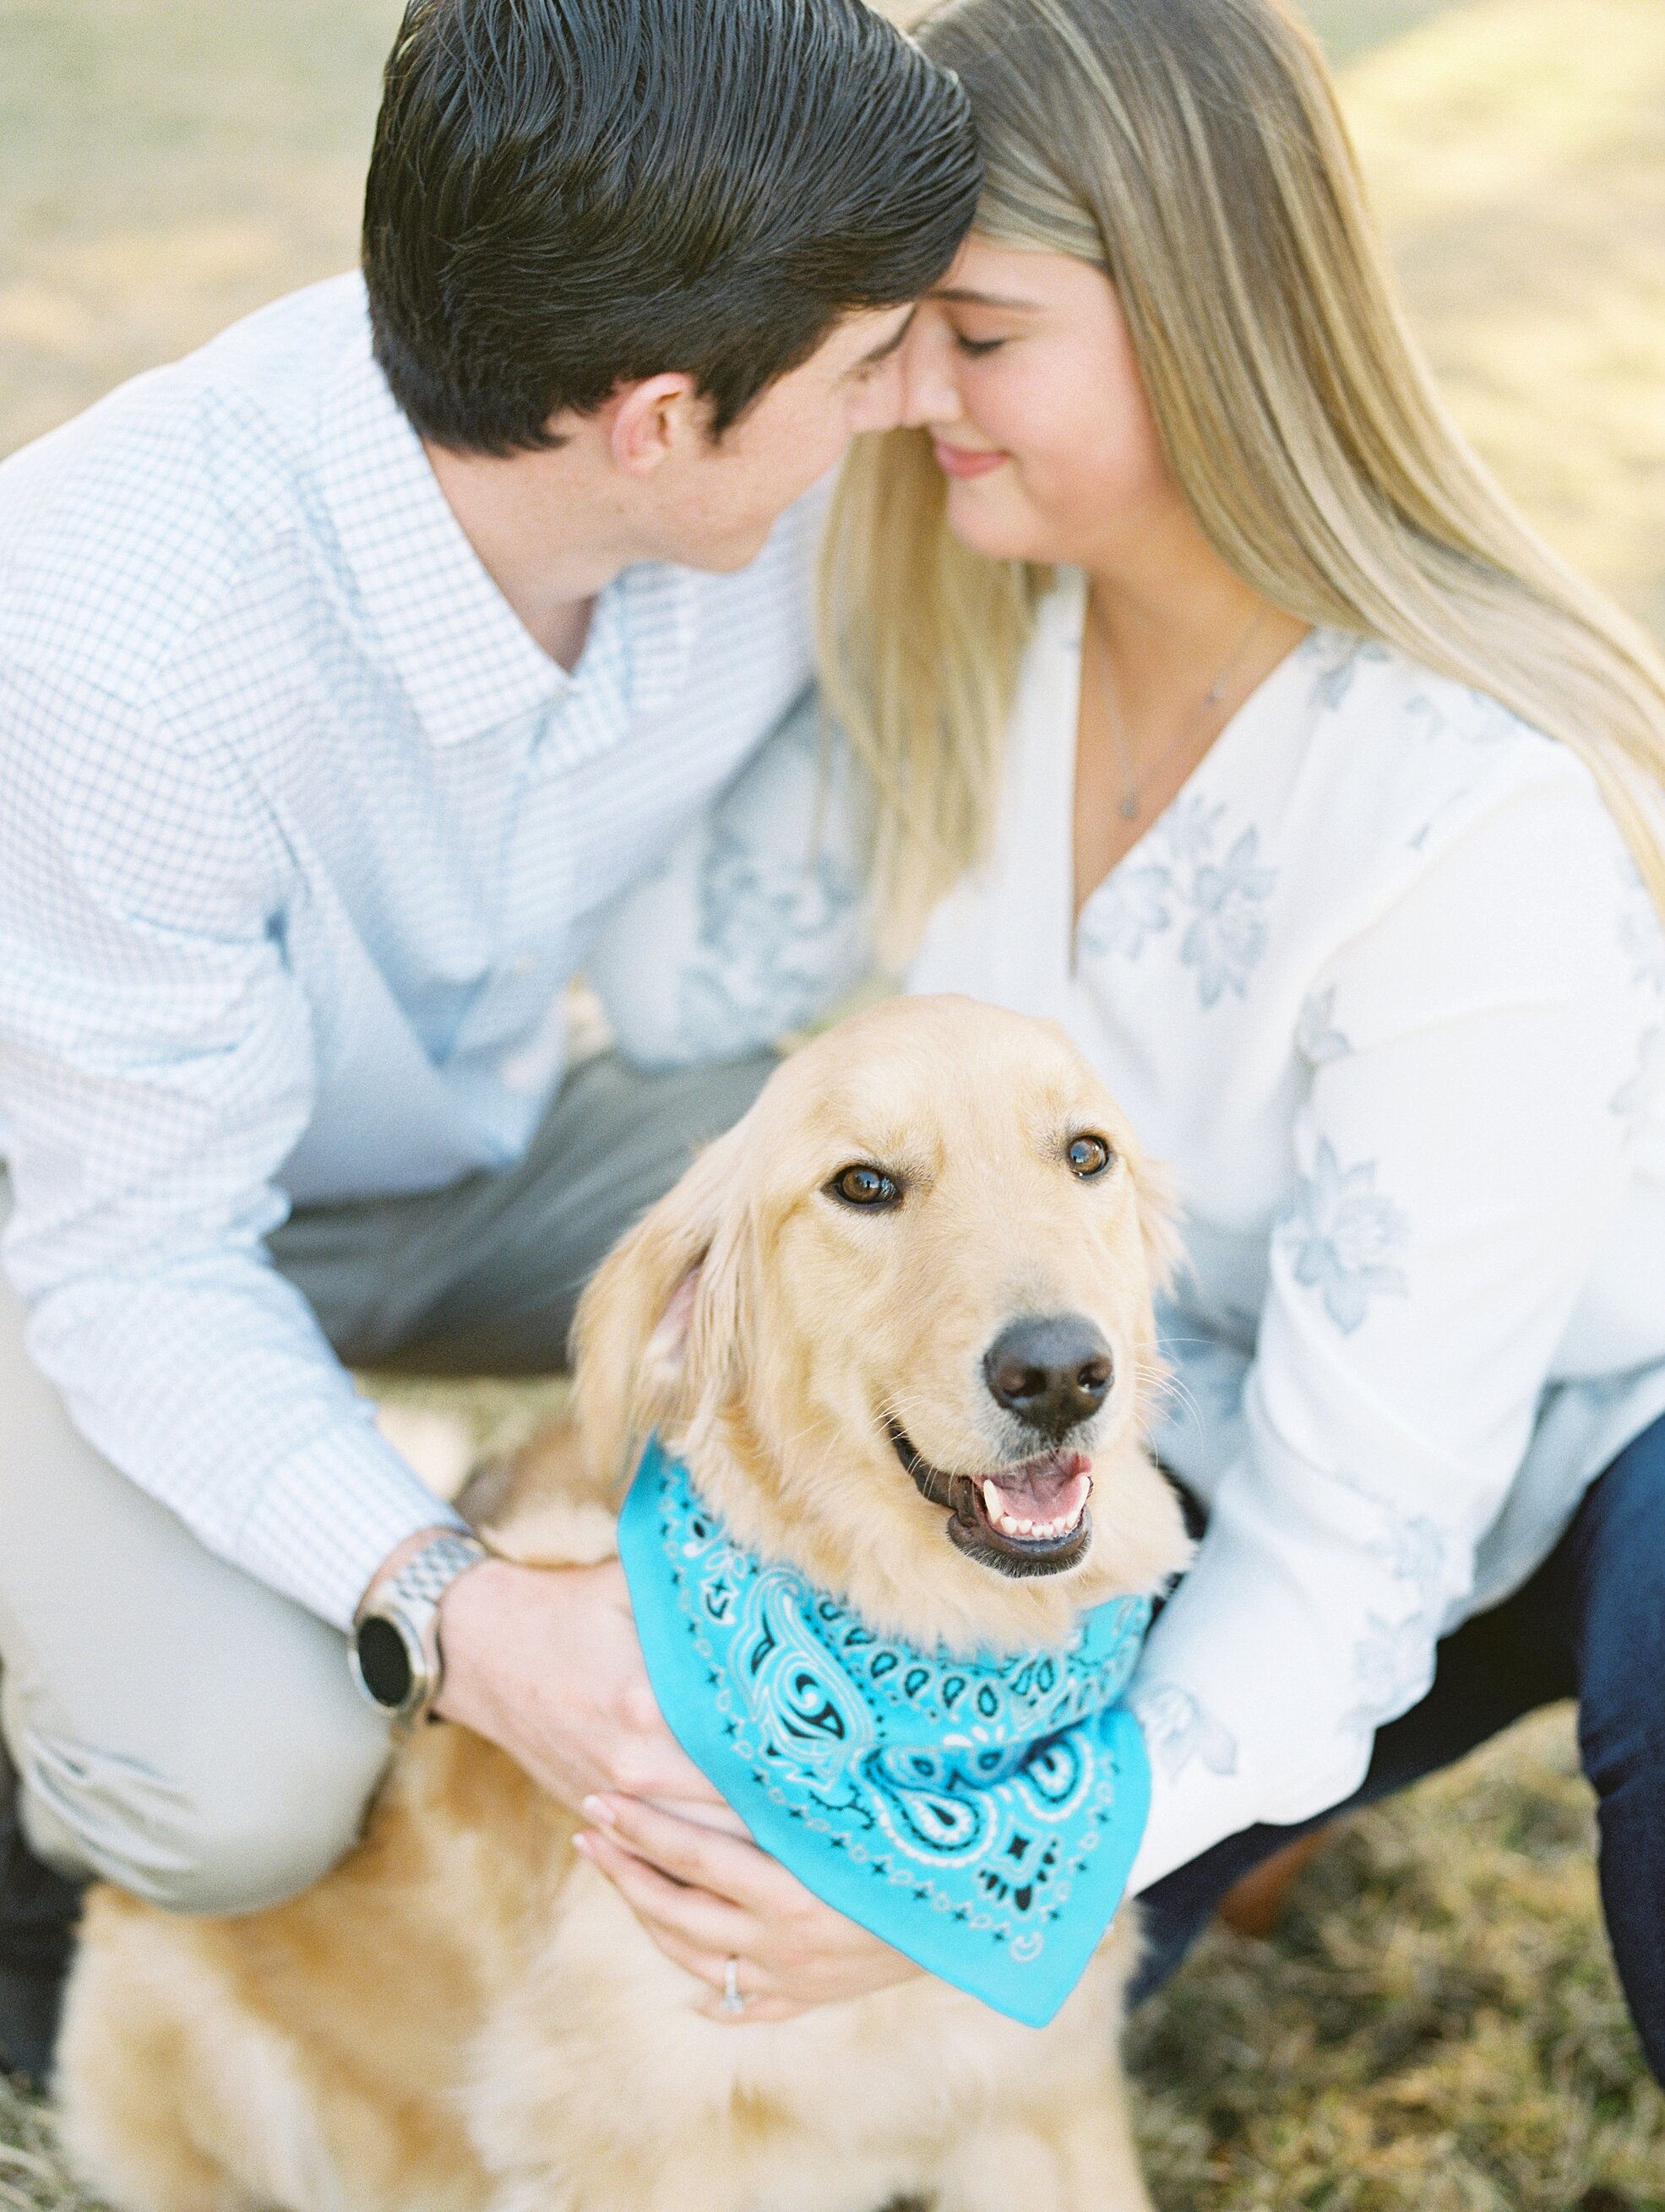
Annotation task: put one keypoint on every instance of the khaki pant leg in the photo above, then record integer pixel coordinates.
(175, 1726)
(482, 1278)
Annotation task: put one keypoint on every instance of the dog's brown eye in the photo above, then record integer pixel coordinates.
(1089, 1157)
(863, 1185)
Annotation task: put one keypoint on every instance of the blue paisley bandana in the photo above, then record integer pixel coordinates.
(980, 1815)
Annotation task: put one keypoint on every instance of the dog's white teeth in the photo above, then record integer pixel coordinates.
(1009, 1524)
(1020, 1525)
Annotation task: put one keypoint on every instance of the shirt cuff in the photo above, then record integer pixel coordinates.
(327, 1518)
(1193, 1807)
(1183, 1822)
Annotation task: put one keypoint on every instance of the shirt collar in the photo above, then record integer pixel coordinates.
(461, 654)
(634, 661)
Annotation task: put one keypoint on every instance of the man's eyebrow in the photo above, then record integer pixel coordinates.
(961, 296)
(884, 352)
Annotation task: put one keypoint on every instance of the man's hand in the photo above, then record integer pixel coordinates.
(544, 1661)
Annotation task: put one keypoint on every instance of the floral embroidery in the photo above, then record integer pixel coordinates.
(1637, 1087)
(1342, 1231)
(1422, 709)
(1642, 939)
(1226, 894)
(766, 924)
(1453, 799)
(1229, 934)
(1640, 932)
(1491, 721)
(1390, 1664)
(1187, 829)
(1333, 685)
(1390, 1659)
(1177, 1729)
(1411, 1546)
(1135, 905)
(1315, 1033)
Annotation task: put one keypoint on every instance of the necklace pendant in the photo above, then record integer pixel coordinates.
(1129, 808)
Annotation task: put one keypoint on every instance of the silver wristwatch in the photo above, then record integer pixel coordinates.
(394, 1649)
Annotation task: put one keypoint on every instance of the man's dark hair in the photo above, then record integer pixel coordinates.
(566, 195)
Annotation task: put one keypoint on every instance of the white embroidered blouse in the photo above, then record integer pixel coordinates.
(1384, 989)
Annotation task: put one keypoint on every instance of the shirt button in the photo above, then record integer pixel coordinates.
(523, 963)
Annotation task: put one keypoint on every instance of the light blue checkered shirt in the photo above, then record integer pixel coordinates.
(301, 836)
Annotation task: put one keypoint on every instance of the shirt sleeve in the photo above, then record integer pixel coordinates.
(157, 1069)
(1458, 1158)
(757, 923)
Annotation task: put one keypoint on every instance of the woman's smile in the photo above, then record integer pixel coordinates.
(965, 461)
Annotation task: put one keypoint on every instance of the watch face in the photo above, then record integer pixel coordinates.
(384, 1664)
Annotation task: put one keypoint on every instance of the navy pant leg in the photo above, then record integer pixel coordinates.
(1610, 1573)
(1590, 1624)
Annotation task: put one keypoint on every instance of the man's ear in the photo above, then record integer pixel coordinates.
(650, 419)
(651, 1325)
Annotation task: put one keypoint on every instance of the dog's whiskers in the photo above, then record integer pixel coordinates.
(1162, 1388)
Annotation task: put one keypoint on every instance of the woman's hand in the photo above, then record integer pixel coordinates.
(546, 1662)
(706, 1897)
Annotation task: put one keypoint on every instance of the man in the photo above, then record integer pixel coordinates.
(349, 670)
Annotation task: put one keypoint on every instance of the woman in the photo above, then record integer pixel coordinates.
(1219, 705)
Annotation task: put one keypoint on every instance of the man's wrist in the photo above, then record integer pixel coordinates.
(398, 1558)
(479, 1619)
(395, 1650)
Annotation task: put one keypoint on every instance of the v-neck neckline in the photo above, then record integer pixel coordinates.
(1071, 641)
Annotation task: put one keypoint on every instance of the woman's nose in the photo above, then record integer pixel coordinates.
(930, 392)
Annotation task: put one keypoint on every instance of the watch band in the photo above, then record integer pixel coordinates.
(424, 1579)
(394, 1650)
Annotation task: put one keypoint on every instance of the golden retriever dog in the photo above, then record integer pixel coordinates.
(839, 1319)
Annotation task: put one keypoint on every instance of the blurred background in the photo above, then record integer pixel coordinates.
(1435, 2025)
(166, 165)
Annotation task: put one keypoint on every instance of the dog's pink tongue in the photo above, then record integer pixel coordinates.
(1045, 1489)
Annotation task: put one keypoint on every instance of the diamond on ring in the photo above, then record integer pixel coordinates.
(734, 1997)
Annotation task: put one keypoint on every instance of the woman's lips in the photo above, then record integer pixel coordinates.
(964, 461)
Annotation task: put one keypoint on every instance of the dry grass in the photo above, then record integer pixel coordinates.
(166, 165)
(1438, 2025)
(31, 2178)
(1517, 147)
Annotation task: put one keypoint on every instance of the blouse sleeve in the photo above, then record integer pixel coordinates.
(1459, 1156)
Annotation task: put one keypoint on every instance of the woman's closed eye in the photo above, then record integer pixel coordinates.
(976, 347)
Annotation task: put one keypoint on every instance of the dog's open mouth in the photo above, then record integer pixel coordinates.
(1029, 1519)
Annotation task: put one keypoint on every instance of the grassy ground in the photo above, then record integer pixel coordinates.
(1436, 2026)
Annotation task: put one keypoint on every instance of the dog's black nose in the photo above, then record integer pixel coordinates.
(1053, 1372)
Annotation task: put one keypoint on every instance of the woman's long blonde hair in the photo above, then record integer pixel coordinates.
(1194, 151)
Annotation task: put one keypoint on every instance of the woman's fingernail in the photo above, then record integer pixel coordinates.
(598, 1808)
(583, 1846)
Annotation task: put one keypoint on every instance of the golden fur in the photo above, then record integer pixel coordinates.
(465, 2017)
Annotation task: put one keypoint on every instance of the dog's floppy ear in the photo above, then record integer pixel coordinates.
(1158, 1221)
(659, 1331)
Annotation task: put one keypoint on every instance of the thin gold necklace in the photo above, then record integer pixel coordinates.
(1133, 788)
